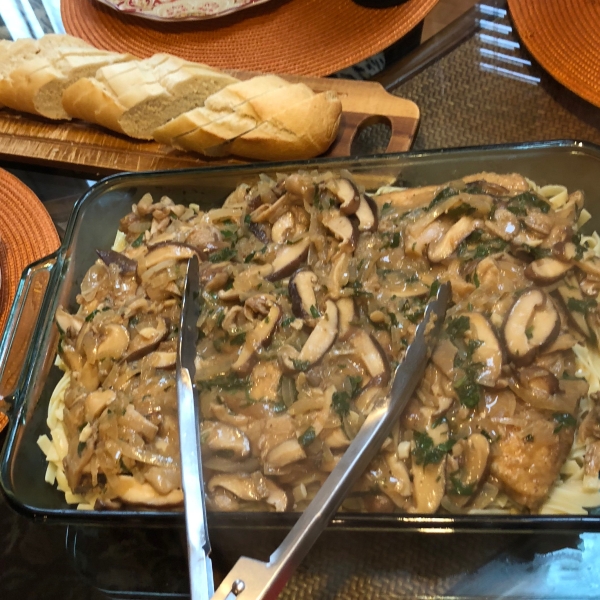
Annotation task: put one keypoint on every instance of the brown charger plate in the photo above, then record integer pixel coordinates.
(26, 235)
(564, 37)
(302, 37)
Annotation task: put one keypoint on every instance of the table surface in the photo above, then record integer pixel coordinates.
(475, 85)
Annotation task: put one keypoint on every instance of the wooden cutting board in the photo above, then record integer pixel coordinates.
(78, 146)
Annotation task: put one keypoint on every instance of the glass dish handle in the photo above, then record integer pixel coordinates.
(20, 329)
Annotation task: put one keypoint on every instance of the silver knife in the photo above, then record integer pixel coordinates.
(201, 574)
(252, 579)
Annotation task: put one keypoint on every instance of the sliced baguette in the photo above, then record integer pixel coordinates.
(136, 98)
(214, 139)
(36, 84)
(217, 106)
(301, 131)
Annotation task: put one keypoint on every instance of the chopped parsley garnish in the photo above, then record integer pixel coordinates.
(518, 205)
(287, 320)
(139, 240)
(239, 338)
(222, 255)
(301, 365)
(446, 193)
(314, 312)
(459, 488)
(458, 326)
(581, 306)
(308, 437)
(426, 453)
(249, 257)
(563, 420)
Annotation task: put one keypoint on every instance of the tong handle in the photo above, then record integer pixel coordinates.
(254, 580)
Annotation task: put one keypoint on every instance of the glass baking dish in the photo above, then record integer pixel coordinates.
(93, 225)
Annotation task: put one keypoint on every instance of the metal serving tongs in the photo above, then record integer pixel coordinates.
(252, 579)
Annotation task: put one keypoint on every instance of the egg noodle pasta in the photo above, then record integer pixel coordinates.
(312, 290)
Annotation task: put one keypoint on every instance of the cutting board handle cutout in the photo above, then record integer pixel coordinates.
(353, 124)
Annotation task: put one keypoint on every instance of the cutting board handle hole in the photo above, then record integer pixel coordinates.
(372, 135)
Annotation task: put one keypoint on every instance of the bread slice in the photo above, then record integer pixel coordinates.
(214, 139)
(137, 97)
(301, 131)
(217, 106)
(38, 74)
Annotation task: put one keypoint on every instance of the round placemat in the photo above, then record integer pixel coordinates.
(564, 37)
(26, 235)
(303, 37)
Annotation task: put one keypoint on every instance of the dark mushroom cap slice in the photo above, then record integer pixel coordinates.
(346, 193)
(531, 324)
(147, 341)
(261, 335)
(367, 215)
(322, 336)
(547, 270)
(288, 259)
(372, 355)
(344, 229)
(302, 293)
(126, 265)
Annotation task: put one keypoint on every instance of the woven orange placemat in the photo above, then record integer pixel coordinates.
(303, 37)
(564, 37)
(26, 235)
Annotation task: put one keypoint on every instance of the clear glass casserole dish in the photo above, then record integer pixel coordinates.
(92, 226)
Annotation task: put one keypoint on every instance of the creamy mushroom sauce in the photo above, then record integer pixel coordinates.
(311, 293)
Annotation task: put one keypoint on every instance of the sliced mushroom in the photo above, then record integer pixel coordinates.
(302, 294)
(346, 193)
(545, 271)
(126, 265)
(69, 324)
(164, 253)
(219, 437)
(505, 224)
(488, 353)
(113, 342)
(260, 336)
(159, 360)
(368, 218)
(434, 231)
(572, 298)
(96, 402)
(284, 454)
(371, 354)
(288, 259)
(322, 336)
(147, 340)
(261, 231)
(444, 247)
(477, 452)
(342, 228)
(338, 275)
(245, 487)
(282, 227)
(346, 315)
(531, 324)
(277, 497)
(429, 483)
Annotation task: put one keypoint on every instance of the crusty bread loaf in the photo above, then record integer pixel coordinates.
(217, 106)
(37, 72)
(214, 138)
(303, 130)
(187, 105)
(137, 97)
